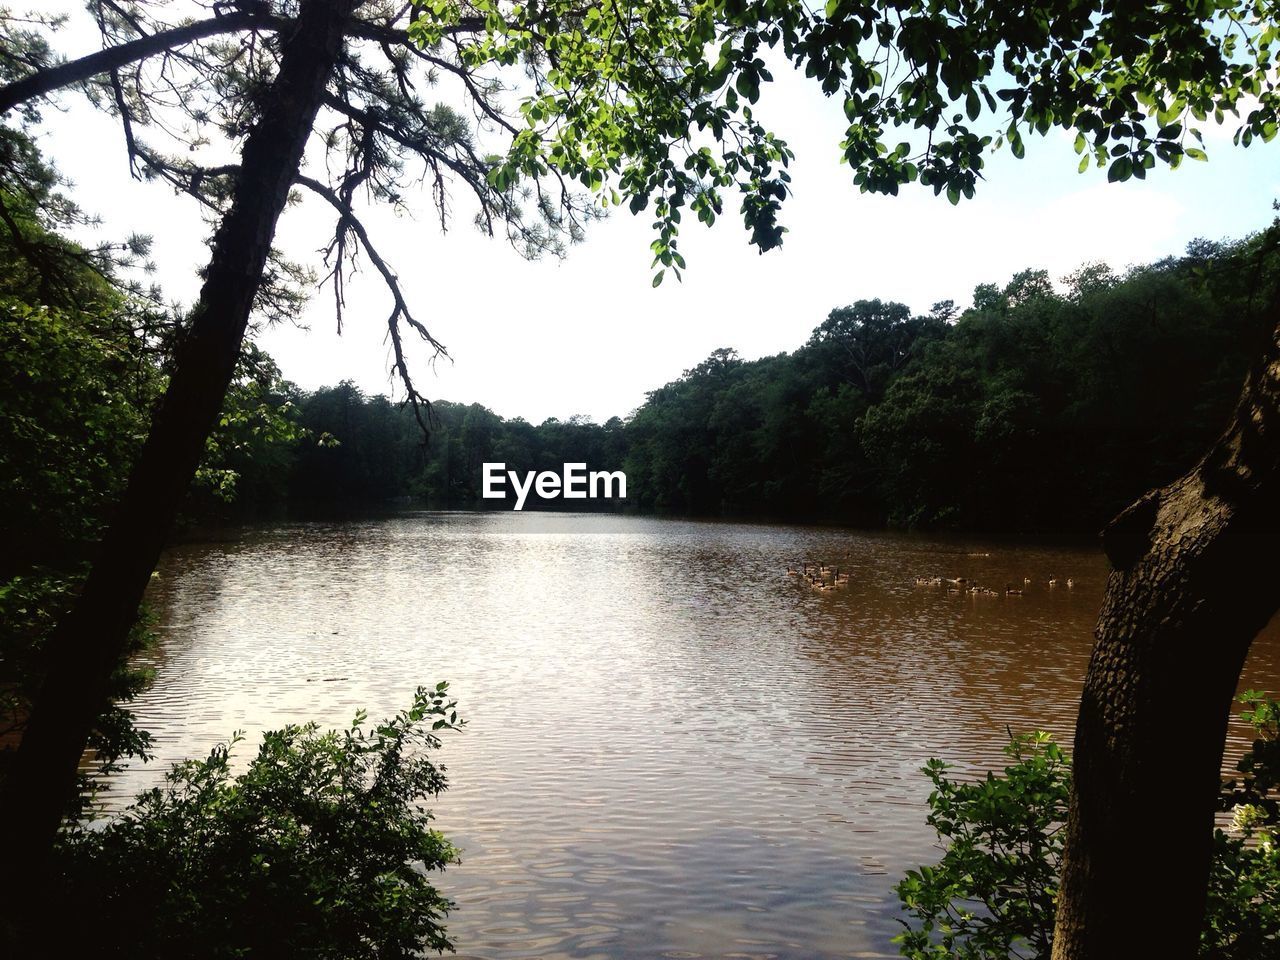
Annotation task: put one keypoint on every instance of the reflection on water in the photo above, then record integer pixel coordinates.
(673, 748)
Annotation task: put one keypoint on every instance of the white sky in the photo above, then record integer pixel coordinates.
(589, 335)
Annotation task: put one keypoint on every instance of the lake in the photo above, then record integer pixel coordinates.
(674, 748)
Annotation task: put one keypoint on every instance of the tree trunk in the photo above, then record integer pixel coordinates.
(1194, 578)
(88, 645)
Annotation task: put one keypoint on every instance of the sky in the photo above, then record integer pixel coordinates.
(590, 335)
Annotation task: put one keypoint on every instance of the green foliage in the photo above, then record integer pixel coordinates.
(992, 895)
(1243, 914)
(249, 454)
(86, 359)
(626, 104)
(72, 410)
(1041, 407)
(375, 449)
(74, 407)
(653, 103)
(319, 849)
(1036, 409)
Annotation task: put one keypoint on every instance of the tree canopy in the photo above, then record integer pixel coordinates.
(653, 105)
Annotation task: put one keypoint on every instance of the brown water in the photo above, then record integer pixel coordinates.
(673, 749)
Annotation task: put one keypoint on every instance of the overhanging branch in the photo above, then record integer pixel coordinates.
(44, 82)
(348, 221)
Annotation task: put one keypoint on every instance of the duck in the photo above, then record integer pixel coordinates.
(1070, 583)
(1011, 591)
(1026, 581)
(1053, 581)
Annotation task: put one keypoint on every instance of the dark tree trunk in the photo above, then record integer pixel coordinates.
(1196, 576)
(88, 645)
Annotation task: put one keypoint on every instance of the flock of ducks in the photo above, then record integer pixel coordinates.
(973, 588)
(824, 578)
(820, 576)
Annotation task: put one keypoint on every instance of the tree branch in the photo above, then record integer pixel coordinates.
(400, 311)
(44, 82)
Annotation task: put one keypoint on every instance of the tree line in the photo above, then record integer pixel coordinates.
(1041, 407)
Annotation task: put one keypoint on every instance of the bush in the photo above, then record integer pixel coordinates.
(992, 895)
(993, 891)
(319, 849)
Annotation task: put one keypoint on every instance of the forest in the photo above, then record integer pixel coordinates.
(1044, 407)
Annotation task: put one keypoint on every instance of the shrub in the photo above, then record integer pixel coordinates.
(992, 895)
(319, 849)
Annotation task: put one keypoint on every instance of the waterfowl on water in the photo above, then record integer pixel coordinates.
(1070, 582)
(1053, 581)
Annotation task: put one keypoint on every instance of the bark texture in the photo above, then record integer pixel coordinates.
(1196, 576)
(88, 645)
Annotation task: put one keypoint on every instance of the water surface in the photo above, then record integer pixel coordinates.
(674, 749)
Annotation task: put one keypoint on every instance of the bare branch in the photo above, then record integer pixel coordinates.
(348, 222)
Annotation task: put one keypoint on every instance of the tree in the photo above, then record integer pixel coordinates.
(874, 340)
(88, 643)
(626, 103)
(86, 352)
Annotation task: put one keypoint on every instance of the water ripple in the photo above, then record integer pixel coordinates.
(673, 749)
